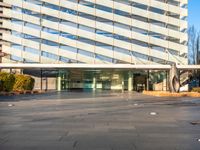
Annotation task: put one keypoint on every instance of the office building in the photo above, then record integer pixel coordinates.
(149, 32)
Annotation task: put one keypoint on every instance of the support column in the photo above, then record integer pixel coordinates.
(147, 81)
(130, 81)
(46, 83)
(94, 84)
(122, 84)
(59, 81)
(41, 80)
(167, 81)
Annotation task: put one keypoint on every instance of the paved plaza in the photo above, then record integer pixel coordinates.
(98, 121)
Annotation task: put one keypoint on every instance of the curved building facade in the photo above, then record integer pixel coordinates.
(96, 31)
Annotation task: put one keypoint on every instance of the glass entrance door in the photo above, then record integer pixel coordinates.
(106, 85)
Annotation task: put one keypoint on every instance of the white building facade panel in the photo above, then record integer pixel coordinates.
(97, 31)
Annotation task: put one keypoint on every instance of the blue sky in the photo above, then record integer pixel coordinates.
(194, 13)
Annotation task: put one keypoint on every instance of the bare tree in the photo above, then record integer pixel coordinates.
(198, 48)
(198, 57)
(192, 38)
(194, 50)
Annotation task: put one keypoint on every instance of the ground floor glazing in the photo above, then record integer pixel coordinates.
(126, 80)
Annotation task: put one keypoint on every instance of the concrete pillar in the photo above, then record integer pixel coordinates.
(167, 80)
(122, 84)
(147, 81)
(59, 81)
(130, 81)
(41, 80)
(94, 83)
(46, 78)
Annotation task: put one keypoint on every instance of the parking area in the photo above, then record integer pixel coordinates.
(98, 121)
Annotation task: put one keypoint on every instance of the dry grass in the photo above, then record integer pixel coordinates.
(168, 94)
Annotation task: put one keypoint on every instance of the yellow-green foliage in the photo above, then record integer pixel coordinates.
(23, 82)
(196, 89)
(7, 81)
(10, 82)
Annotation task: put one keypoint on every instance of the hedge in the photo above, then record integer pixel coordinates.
(10, 82)
(7, 81)
(23, 82)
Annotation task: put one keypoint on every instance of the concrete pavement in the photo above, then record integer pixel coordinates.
(98, 121)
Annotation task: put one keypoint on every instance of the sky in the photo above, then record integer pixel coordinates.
(194, 13)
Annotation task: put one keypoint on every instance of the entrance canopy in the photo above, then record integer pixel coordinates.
(95, 66)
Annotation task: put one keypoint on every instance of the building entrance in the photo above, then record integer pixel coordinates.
(95, 80)
(110, 80)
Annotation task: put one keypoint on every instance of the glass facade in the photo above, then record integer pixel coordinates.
(97, 32)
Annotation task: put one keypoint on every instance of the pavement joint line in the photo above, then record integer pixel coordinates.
(62, 136)
(75, 144)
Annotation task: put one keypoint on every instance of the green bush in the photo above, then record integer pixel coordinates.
(10, 82)
(196, 89)
(23, 82)
(7, 81)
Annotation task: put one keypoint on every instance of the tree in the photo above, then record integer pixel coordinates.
(198, 57)
(194, 50)
(198, 48)
(192, 54)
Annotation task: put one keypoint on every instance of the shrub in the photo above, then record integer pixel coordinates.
(23, 82)
(196, 89)
(7, 81)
